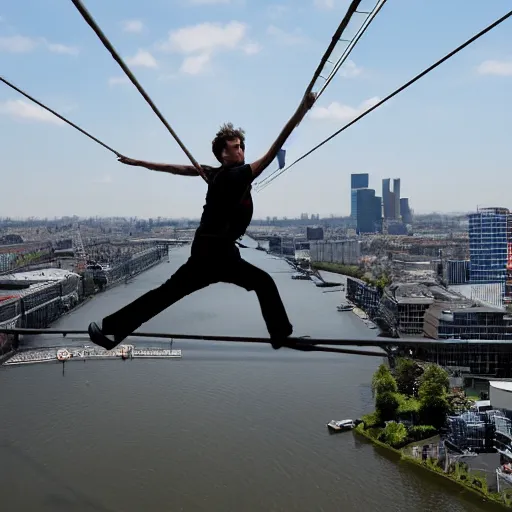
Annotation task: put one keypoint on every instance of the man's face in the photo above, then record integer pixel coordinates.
(233, 153)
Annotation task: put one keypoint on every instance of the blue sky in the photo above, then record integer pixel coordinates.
(205, 62)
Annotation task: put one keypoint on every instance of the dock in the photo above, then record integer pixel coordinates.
(63, 354)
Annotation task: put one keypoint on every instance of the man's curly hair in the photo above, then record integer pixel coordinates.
(226, 133)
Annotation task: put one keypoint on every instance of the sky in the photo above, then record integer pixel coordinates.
(206, 62)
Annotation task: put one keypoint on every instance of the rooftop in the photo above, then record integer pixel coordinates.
(501, 384)
(45, 274)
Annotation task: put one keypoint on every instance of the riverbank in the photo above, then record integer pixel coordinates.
(52, 300)
(338, 268)
(476, 484)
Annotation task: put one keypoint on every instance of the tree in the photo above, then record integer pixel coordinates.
(407, 373)
(433, 411)
(387, 404)
(434, 382)
(383, 381)
(434, 386)
(394, 434)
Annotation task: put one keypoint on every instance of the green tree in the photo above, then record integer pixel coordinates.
(395, 434)
(434, 382)
(383, 381)
(407, 373)
(433, 411)
(387, 404)
(433, 393)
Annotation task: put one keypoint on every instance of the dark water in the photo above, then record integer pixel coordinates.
(228, 427)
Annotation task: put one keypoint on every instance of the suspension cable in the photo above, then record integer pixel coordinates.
(269, 179)
(362, 29)
(62, 118)
(337, 346)
(334, 41)
(90, 21)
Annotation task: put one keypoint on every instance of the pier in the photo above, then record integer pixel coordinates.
(63, 354)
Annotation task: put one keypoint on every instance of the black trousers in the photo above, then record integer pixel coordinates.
(207, 265)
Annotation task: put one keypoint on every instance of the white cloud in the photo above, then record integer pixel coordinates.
(142, 59)
(22, 110)
(338, 112)
(205, 37)
(287, 38)
(196, 64)
(133, 26)
(349, 69)
(62, 49)
(198, 43)
(22, 44)
(495, 67)
(17, 44)
(252, 48)
(324, 4)
(118, 80)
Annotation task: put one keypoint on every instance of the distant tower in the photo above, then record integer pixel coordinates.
(357, 181)
(396, 192)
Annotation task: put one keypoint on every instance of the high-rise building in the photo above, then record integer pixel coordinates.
(369, 209)
(490, 242)
(387, 201)
(396, 198)
(357, 181)
(405, 210)
(391, 199)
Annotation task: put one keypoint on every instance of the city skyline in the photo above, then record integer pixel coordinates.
(208, 64)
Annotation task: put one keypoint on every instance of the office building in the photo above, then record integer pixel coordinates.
(391, 199)
(490, 248)
(405, 210)
(369, 211)
(396, 199)
(357, 181)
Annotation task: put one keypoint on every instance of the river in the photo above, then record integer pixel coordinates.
(228, 427)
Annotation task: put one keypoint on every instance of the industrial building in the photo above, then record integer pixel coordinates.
(315, 233)
(345, 252)
(363, 295)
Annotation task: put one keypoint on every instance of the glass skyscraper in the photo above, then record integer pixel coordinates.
(357, 181)
(489, 240)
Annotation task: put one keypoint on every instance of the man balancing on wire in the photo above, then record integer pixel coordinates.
(214, 256)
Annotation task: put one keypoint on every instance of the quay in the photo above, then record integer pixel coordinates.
(63, 354)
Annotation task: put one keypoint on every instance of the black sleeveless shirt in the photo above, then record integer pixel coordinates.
(228, 208)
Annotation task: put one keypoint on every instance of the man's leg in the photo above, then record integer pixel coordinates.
(246, 275)
(189, 278)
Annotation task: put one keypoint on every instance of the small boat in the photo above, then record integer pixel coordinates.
(301, 277)
(63, 354)
(126, 351)
(344, 307)
(341, 425)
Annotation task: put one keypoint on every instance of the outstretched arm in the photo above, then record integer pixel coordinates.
(260, 165)
(182, 170)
